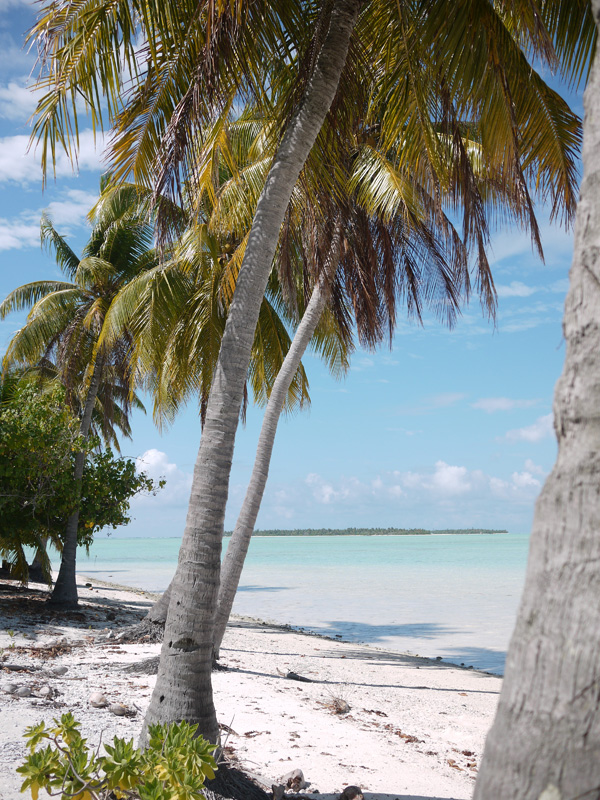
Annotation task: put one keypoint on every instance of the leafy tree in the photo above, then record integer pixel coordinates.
(39, 441)
(433, 69)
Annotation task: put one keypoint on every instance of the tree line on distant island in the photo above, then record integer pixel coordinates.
(369, 531)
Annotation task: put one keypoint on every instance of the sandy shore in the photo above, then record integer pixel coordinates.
(411, 728)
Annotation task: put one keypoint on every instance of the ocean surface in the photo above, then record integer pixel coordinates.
(453, 596)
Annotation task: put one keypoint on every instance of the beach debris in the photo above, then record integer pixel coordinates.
(10, 688)
(375, 711)
(98, 700)
(293, 676)
(278, 791)
(120, 711)
(18, 667)
(46, 692)
(336, 703)
(22, 691)
(294, 780)
(58, 671)
(227, 729)
(351, 793)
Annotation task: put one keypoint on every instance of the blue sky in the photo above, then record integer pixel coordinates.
(446, 429)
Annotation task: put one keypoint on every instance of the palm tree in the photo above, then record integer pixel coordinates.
(64, 326)
(232, 49)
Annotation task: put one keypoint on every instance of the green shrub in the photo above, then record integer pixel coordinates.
(173, 767)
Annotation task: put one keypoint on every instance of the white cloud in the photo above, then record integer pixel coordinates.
(17, 165)
(450, 480)
(73, 210)
(524, 479)
(492, 404)
(445, 495)
(516, 289)
(18, 234)
(445, 399)
(176, 492)
(24, 231)
(5, 5)
(530, 466)
(17, 101)
(540, 429)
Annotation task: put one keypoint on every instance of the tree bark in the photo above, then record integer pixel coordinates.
(237, 549)
(183, 688)
(158, 612)
(64, 593)
(545, 740)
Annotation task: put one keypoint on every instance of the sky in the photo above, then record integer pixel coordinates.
(447, 429)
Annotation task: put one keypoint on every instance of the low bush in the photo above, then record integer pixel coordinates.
(174, 766)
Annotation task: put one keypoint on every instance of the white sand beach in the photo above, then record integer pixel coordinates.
(410, 728)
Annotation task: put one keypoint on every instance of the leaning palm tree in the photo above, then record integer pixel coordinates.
(64, 326)
(432, 66)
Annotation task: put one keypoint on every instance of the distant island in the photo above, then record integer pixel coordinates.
(370, 532)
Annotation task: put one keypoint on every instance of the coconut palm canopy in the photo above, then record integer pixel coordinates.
(433, 75)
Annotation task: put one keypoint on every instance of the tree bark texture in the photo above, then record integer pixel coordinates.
(545, 740)
(64, 593)
(183, 687)
(237, 549)
(158, 612)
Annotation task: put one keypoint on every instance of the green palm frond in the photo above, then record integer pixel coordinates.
(65, 257)
(29, 294)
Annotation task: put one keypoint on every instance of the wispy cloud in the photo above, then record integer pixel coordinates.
(18, 234)
(24, 231)
(445, 399)
(493, 404)
(17, 102)
(540, 429)
(17, 165)
(516, 289)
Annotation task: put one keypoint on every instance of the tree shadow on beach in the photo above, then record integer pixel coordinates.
(478, 658)
(25, 609)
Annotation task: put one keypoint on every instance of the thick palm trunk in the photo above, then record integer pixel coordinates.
(64, 593)
(545, 741)
(183, 687)
(244, 527)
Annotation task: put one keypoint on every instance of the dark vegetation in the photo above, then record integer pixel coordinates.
(371, 532)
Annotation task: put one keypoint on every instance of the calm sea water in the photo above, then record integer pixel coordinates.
(454, 596)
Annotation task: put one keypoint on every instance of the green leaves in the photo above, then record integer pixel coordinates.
(39, 440)
(173, 767)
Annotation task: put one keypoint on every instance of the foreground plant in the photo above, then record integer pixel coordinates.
(173, 767)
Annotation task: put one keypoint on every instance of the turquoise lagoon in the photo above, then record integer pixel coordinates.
(453, 595)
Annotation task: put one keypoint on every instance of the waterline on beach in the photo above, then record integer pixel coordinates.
(453, 596)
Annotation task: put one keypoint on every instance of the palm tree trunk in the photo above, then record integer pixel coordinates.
(183, 688)
(545, 741)
(233, 563)
(64, 593)
(158, 612)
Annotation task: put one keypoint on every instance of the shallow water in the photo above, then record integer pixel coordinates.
(454, 596)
